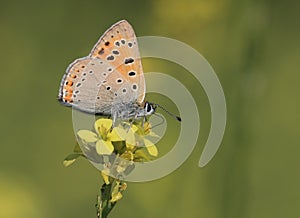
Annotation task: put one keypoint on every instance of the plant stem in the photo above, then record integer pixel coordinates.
(104, 205)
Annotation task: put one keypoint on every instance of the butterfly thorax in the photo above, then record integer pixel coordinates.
(131, 110)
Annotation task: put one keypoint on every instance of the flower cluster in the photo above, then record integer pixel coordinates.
(131, 141)
(115, 148)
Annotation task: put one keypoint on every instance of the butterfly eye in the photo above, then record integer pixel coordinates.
(148, 108)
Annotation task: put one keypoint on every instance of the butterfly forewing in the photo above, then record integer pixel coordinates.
(118, 46)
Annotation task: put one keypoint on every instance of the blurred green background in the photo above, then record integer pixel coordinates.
(254, 49)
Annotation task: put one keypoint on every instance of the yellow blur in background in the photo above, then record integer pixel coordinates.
(253, 47)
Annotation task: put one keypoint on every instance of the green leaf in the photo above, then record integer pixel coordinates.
(105, 192)
(77, 149)
(70, 159)
(87, 135)
(119, 146)
(104, 147)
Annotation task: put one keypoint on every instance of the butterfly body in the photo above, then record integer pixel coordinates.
(131, 110)
(110, 80)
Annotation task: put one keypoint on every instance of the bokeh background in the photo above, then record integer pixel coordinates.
(254, 49)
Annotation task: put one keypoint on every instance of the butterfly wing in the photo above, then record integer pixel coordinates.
(118, 46)
(111, 74)
(84, 79)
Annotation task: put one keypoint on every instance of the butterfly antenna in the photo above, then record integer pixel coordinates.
(168, 112)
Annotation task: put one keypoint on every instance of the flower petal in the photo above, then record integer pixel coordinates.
(120, 132)
(153, 134)
(87, 135)
(134, 128)
(104, 147)
(105, 176)
(124, 134)
(129, 146)
(130, 137)
(151, 148)
(113, 136)
(147, 128)
(147, 142)
(116, 196)
(103, 125)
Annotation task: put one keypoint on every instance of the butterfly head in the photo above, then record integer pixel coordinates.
(149, 108)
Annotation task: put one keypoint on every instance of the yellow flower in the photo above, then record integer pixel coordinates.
(124, 139)
(141, 132)
(103, 137)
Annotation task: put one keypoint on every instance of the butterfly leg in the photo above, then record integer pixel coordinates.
(114, 119)
(132, 121)
(144, 120)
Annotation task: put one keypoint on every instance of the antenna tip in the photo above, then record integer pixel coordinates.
(178, 118)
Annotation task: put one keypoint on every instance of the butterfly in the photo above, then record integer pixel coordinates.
(110, 80)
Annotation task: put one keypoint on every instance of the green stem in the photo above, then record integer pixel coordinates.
(104, 206)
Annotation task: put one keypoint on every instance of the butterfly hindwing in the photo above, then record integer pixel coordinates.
(83, 80)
